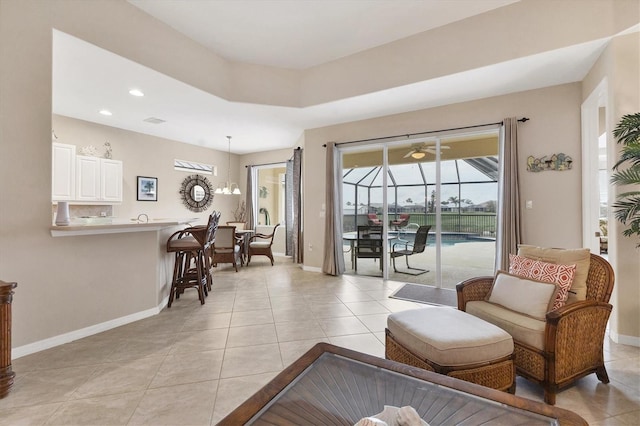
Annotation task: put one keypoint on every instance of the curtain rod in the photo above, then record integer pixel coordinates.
(521, 120)
(274, 163)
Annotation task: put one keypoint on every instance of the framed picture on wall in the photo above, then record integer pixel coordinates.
(147, 188)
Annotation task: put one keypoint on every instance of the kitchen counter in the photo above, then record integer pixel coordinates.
(95, 226)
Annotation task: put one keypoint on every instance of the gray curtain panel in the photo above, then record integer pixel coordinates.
(509, 233)
(333, 257)
(297, 241)
(249, 200)
(288, 207)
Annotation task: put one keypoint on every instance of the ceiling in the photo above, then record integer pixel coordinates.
(290, 34)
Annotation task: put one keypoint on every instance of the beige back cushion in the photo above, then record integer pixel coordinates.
(527, 296)
(580, 257)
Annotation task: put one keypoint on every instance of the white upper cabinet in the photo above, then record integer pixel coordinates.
(98, 179)
(85, 179)
(63, 176)
(111, 179)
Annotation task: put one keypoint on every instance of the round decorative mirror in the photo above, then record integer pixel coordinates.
(197, 193)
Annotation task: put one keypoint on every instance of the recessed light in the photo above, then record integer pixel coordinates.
(105, 112)
(136, 92)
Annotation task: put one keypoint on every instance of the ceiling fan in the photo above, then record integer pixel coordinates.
(419, 150)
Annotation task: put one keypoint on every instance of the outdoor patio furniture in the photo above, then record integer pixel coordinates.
(373, 219)
(567, 343)
(406, 249)
(401, 221)
(368, 244)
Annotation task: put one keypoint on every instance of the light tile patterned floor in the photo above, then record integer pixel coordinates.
(193, 364)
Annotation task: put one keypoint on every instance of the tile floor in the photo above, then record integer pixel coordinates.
(193, 364)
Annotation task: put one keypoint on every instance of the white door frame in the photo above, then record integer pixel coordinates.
(590, 169)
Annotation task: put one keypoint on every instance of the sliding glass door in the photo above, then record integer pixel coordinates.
(448, 184)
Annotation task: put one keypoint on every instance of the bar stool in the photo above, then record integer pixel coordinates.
(192, 268)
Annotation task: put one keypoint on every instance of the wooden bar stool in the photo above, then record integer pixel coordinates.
(192, 269)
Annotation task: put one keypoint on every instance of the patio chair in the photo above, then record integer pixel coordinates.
(401, 221)
(369, 244)
(418, 246)
(373, 219)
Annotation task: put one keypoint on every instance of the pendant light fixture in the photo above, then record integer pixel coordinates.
(229, 187)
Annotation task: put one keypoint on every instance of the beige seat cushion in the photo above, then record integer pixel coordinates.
(449, 337)
(579, 257)
(260, 244)
(523, 328)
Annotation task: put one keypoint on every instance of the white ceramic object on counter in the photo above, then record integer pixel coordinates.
(62, 216)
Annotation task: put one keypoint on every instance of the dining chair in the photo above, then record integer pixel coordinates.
(368, 244)
(263, 246)
(226, 248)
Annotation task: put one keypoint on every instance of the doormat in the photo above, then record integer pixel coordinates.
(426, 294)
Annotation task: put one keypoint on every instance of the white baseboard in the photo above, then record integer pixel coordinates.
(311, 269)
(625, 340)
(61, 339)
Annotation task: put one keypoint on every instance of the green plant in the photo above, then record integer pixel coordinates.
(627, 206)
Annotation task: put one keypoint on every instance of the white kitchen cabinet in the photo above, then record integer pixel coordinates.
(111, 180)
(83, 179)
(63, 172)
(87, 178)
(98, 179)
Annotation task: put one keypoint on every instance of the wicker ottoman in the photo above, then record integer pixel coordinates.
(454, 343)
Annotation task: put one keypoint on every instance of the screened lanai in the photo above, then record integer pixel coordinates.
(465, 200)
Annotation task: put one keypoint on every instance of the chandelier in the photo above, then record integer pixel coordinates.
(229, 187)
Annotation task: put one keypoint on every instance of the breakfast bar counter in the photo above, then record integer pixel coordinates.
(96, 226)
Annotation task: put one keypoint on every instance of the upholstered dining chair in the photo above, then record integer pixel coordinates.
(226, 248)
(260, 245)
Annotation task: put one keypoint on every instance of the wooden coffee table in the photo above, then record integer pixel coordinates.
(337, 386)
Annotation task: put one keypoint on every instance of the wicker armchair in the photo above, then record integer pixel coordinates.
(574, 334)
(262, 248)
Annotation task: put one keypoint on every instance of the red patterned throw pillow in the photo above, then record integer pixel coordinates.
(561, 275)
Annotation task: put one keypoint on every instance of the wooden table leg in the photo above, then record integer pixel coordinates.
(6, 374)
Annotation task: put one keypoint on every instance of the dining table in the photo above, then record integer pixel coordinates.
(245, 235)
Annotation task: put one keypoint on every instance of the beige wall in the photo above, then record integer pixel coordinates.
(554, 127)
(620, 65)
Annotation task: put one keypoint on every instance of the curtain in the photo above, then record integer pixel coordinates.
(509, 233)
(333, 257)
(297, 241)
(288, 207)
(249, 200)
